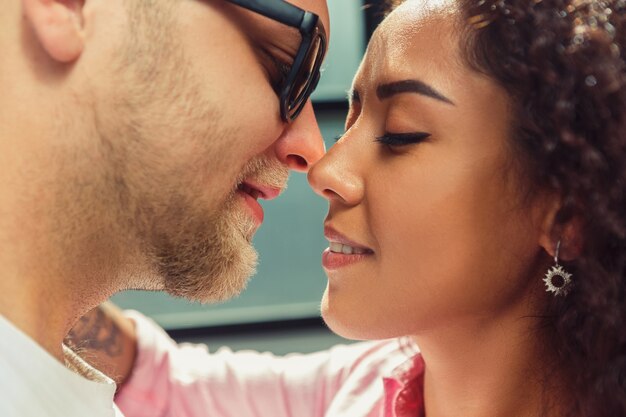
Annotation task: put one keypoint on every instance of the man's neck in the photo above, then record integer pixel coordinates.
(60, 249)
(43, 292)
(38, 312)
(487, 369)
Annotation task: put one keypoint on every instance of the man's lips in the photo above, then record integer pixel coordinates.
(259, 190)
(251, 192)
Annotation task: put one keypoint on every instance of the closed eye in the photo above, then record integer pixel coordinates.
(280, 73)
(402, 139)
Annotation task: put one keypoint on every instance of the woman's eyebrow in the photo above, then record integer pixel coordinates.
(385, 91)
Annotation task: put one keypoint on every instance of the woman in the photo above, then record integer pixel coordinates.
(475, 150)
(476, 209)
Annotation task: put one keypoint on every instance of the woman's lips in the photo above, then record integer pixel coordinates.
(332, 260)
(342, 251)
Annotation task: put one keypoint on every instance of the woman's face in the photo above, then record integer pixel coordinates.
(423, 182)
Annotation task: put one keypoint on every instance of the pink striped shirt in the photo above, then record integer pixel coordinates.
(368, 379)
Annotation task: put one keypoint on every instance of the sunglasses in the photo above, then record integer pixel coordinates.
(305, 71)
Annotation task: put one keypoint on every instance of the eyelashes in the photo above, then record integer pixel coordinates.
(279, 71)
(398, 139)
(283, 70)
(402, 139)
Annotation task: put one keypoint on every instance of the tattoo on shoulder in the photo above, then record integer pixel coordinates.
(96, 331)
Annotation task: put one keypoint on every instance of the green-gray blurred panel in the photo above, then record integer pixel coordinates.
(347, 44)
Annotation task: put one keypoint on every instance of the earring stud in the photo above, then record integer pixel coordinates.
(557, 280)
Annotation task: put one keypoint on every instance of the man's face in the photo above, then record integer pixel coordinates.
(191, 128)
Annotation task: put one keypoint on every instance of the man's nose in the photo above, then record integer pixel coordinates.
(301, 144)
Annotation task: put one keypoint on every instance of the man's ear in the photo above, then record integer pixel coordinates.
(561, 224)
(58, 25)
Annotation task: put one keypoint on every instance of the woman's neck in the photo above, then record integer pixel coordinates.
(488, 368)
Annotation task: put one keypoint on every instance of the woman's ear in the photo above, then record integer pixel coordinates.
(58, 26)
(561, 226)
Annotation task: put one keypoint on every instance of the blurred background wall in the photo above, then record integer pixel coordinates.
(279, 311)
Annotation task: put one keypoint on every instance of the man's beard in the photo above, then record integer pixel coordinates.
(210, 259)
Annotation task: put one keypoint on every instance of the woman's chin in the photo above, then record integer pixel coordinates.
(346, 322)
(334, 320)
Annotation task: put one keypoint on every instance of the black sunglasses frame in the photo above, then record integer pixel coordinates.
(313, 41)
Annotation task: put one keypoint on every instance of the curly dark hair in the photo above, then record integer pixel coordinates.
(563, 64)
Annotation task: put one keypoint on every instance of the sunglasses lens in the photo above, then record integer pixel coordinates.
(307, 75)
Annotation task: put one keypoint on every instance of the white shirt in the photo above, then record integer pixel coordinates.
(35, 384)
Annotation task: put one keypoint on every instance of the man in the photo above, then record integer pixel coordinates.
(137, 137)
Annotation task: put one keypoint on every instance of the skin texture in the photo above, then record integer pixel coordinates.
(126, 129)
(458, 252)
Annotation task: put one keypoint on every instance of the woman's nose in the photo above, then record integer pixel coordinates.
(301, 144)
(335, 178)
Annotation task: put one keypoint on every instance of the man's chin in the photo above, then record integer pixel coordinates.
(205, 297)
(220, 281)
(207, 259)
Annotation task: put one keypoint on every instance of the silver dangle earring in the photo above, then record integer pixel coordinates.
(557, 280)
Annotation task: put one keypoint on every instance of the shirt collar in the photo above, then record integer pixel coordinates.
(404, 389)
(37, 369)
